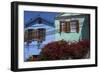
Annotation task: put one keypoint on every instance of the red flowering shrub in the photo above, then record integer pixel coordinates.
(55, 50)
(84, 43)
(63, 50)
(80, 49)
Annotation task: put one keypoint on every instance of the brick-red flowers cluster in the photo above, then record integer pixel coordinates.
(64, 50)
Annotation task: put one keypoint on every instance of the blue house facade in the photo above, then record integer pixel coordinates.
(39, 37)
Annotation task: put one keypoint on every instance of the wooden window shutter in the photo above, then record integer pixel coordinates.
(67, 26)
(26, 35)
(36, 34)
(33, 34)
(29, 34)
(63, 27)
(41, 34)
(60, 30)
(77, 26)
(44, 34)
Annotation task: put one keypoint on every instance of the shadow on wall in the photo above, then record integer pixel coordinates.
(85, 32)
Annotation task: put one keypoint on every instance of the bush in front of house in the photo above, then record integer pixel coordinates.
(54, 50)
(80, 49)
(63, 50)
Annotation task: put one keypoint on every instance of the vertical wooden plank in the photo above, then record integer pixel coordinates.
(60, 29)
(65, 26)
(25, 36)
(77, 26)
(30, 34)
(68, 26)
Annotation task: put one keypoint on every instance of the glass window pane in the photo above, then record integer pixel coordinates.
(73, 26)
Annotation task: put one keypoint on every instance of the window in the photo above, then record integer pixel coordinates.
(69, 26)
(64, 26)
(41, 34)
(35, 34)
(74, 26)
(38, 34)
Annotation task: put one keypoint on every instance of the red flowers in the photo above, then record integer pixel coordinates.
(53, 50)
(63, 50)
(79, 49)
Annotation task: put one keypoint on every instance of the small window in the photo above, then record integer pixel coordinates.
(64, 26)
(35, 34)
(69, 26)
(74, 26)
